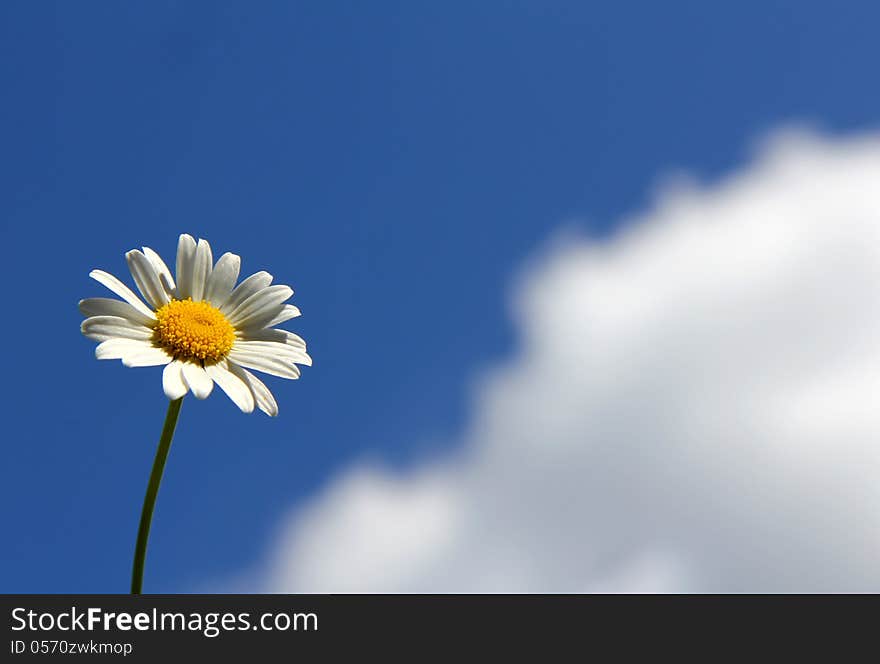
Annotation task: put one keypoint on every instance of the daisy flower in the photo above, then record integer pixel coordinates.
(203, 329)
(199, 324)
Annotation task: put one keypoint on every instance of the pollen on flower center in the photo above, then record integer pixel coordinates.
(194, 330)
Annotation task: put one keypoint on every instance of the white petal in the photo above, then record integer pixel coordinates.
(101, 328)
(117, 349)
(198, 381)
(123, 291)
(257, 320)
(294, 340)
(222, 279)
(105, 306)
(172, 380)
(274, 334)
(289, 311)
(261, 306)
(280, 351)
(146, 278)
(161, 269)
(256, 282)
(201, 270)
(236, 389)
(133, 353)
(262, 395)
(147, 357)
(265, 363)
(186, 254)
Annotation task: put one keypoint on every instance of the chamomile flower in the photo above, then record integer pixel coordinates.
(201, 326)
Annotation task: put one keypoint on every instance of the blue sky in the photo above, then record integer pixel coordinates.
(395, 163)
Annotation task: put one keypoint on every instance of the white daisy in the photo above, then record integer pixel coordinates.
(202, 327)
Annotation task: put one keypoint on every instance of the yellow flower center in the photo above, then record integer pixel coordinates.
(194, 331)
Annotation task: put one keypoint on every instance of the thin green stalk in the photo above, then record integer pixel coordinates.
(140, 550)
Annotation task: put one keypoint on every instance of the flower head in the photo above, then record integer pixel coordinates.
(201, 326)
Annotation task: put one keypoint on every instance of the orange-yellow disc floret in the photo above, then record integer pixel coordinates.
(194, 331)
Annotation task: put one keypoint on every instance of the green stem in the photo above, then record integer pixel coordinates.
(140, 550)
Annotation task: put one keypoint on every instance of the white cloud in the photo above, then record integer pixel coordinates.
(694, 406)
